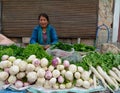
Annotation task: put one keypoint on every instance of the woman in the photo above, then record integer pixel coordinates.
(44, 33)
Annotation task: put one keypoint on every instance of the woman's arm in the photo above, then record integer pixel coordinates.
(34, 36)
(54, 36)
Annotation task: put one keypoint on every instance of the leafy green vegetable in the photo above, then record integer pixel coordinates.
(37, 50)
(62, 46)
(106, 61)
(83, 47)
(24, 53)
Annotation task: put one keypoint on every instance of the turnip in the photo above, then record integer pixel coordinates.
(59, 60)
(13, 70)
(17, 62)
(63, 72)
(51, 68)
(32, 77)
(36, 62)
(77, 75)
(18, 84)
(80, 69)
(79, 82)
(73, 68)
(30, 67)
(31, 58)
(56, 86)
(41, 73)
(56, 73)
(3, 75)
(5, 64)
(4, 57)
(85, 75)
(45, 68)
(52, 81)
(60, 79)
(40, 81)
(69, 75)
(12, 58)
(60, 67)
(66, 63)
(48, 75)
(62, 86)
(86, 84)
(47, 85)
(12, 79)
(37, 68)
(44, 62)
(55, 62)
(68, 85)
(6, 70)
(22, 65)
(20, 75)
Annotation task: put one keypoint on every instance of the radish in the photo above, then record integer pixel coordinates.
(100, 77)
(116, 71)
(119, 67)
(114, 75)
(106, 77)
(94, 79)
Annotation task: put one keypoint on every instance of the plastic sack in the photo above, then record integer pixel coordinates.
(59, 53)
(73, 58)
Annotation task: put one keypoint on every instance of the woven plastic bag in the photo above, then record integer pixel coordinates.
(59, 53)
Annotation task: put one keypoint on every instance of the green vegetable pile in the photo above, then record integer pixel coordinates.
(106, 61)
(24, 53)
(77, 47)
(62, 46)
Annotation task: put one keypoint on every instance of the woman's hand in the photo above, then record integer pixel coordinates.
(46, 47)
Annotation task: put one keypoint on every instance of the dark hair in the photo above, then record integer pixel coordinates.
(44, 15)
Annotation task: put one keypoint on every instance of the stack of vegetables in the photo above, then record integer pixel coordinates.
(58, 74)
(77, 47)
(33, 66)
(105, 67)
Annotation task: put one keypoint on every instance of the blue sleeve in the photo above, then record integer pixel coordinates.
(34, 36)
(54, 36)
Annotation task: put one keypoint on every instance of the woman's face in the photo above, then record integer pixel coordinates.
(43, 22)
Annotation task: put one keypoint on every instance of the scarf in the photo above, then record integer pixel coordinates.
(40, 35)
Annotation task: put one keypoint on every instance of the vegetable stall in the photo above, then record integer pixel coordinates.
(31, 68)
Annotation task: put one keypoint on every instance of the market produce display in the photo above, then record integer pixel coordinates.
(32, 65)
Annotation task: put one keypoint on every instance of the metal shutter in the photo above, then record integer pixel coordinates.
(71, 18)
